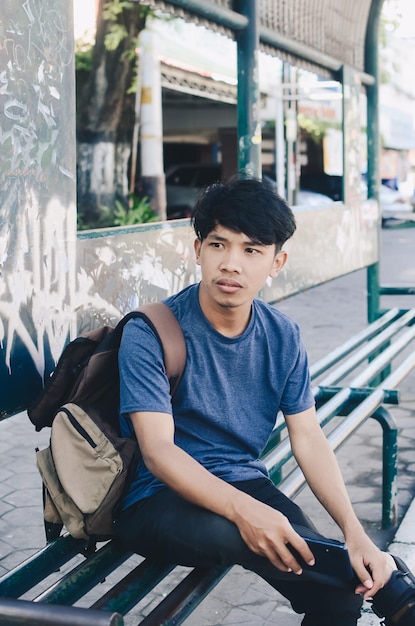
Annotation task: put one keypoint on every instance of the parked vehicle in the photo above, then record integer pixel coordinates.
(185, 181)
(392, 202)
(393, 205)
(183, 184)
(312, 199)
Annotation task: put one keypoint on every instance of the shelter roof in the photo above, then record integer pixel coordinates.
(318, 31)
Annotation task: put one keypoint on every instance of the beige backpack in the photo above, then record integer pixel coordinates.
(88, 465)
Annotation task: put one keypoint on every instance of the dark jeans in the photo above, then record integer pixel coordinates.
(167, 527)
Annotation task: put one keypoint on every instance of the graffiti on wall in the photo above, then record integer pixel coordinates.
(37, 185)
(120, 271)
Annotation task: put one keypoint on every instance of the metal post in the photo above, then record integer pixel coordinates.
(249, 123)
(373, 144)
(390, 467)
(291, 132)
(280, 142)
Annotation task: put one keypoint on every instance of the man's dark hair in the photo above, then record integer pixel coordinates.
(245, 205)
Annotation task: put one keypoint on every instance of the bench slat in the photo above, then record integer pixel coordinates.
(37, 567)
(23, 612)
(76, 583)
(385, 358)
(351, 344)
(133, 587)
(368, 350)
(185, 597)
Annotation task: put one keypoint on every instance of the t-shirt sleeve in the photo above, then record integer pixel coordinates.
(143, 381)
(297, 395)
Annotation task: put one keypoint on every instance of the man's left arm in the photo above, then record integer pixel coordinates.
(318, 462)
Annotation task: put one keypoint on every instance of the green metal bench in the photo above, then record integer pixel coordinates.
(351, 384)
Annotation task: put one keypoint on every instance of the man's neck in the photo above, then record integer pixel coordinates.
(227, 320)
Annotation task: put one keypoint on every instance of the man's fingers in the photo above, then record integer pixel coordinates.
(279, 563)
(365, 578)
(299, 552)
(295, 554)
(284, 557)
(292, 560)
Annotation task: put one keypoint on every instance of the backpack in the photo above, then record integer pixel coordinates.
(88, 466)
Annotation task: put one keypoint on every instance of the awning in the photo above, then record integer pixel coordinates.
(319, 35)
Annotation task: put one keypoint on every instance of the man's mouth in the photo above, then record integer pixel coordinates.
(228, 285)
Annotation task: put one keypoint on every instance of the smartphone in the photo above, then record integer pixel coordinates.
(332, 564)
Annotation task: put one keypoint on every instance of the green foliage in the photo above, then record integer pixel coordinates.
(117, 32)
(105, 219)
(134, 84)
(316, 128)
(84, 47)
(113, 9)
(83, 58)
(140, 212)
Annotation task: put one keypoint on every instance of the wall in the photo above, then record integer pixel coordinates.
(122, 268)
(37, 187)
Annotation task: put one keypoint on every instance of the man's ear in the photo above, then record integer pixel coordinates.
(279, 262)
(197, 244)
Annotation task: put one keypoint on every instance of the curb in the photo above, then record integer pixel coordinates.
(403, 543)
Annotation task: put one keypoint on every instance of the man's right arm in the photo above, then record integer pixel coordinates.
(265, 530)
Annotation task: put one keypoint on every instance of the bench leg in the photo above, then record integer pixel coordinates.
(390, 467)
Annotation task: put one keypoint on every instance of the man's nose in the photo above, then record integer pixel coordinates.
(231, 262)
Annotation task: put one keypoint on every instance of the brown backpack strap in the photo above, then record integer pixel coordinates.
(171, 337)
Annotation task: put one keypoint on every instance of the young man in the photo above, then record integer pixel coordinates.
(201, 496)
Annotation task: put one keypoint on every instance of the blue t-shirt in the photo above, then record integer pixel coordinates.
(232, 389)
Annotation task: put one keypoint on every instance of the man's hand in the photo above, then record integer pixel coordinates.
(267, 532)
(372, 566)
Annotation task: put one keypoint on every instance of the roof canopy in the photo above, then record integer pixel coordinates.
(322, 35)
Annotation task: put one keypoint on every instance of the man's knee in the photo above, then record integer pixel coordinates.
(172, 529)
(323, 605)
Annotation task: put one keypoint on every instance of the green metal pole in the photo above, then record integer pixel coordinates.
(373, 145)
(248, 108)
(211, 11)
(389, 468)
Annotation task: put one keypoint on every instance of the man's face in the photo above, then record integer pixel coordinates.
(234, 268)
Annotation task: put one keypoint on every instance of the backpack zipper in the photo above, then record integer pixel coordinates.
(79, 428)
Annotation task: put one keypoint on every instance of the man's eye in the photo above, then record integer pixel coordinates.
(251, 250)
(216, 244)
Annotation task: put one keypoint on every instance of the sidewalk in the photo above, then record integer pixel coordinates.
(327, 316)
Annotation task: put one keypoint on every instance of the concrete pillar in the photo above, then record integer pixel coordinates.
(151, 124)
(37, 193)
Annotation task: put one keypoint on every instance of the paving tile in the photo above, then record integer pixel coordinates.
(24, 480)
(25, 534)
(5, 474)
(5, 549)
(23, 498)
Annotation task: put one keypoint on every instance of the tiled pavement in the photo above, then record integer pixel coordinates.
(327, 315)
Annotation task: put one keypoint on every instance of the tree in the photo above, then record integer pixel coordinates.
(105, 109)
